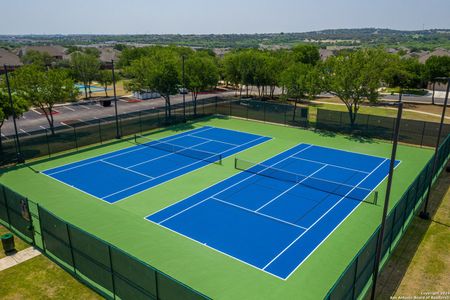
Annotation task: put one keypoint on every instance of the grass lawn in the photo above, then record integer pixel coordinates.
(20, 245)
(39, 278)
(421, 262)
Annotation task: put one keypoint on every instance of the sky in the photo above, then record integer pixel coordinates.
(213, 16)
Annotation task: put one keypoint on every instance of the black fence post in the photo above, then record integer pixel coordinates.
(6, 206)
(112, 272)
(40, 227)
(71, 248)
(48, 143)
(100, 131)
(75, 137)
(423, 133)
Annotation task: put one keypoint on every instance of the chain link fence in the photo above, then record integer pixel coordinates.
(414, 132)
(357, 278)
(108, 270)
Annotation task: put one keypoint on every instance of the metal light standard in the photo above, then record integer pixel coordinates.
(183, 91)
(115, 100)
(20, 159)
(376, 266)
(424, 214)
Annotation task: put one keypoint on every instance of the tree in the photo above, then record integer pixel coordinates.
(158, 72)
(201, 73)
(105, 79)
(306, 54)
(230, 69)
(85, 68)
(20, 106)
(296, 80)
(435, 67)
(403, 73)
(353, 78)
(42, 59)
(44, 89)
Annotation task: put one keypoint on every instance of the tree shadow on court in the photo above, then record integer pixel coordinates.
(325, 133)
(397, 266)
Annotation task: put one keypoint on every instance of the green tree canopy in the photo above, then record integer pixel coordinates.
(437, 66)
(201, 73)
(44, 89)
(20, 105)
(354, 77)
(41, 59)
(159, 72)
(306, 54)
(85, 68)
(104, 77)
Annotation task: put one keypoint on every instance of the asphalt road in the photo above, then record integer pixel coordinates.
(85, 111)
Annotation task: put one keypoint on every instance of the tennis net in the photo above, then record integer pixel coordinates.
(185, 151)
(328, 186)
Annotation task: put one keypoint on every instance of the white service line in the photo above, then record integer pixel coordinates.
(322, 216)
(126, 169)
(258, 213)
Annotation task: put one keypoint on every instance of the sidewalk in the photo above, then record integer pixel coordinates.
(17, 258)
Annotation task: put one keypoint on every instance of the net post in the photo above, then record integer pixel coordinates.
(235, 162)
(376, 198)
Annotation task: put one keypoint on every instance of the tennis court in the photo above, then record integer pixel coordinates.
(115, 176)
(273, 215)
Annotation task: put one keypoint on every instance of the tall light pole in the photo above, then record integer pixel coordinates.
(184, 88)
(20, 158)
(376, 266)
(424, 214)
(115, 100)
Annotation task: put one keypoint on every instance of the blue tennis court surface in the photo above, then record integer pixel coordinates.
(269, 216)
(120, 174)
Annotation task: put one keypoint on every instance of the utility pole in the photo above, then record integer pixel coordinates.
(184, 88)
(20, 158)
(115, 100)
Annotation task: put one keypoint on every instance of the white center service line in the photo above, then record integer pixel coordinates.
(295, 185)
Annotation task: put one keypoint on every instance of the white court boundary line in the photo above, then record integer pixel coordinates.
(324, 214)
